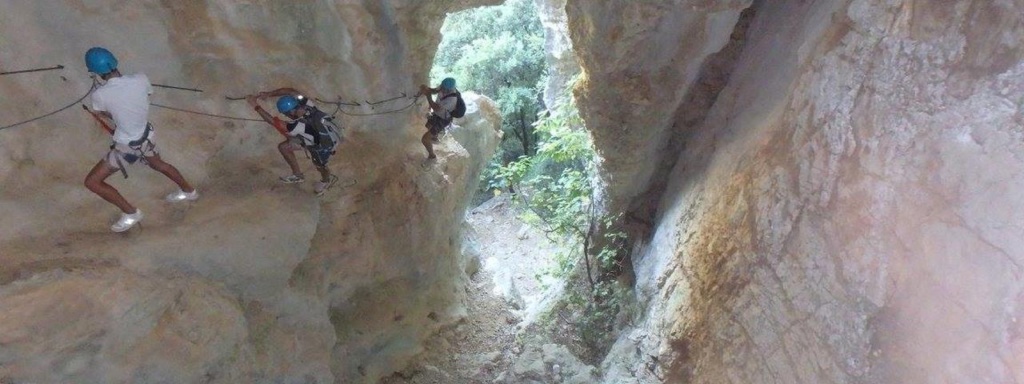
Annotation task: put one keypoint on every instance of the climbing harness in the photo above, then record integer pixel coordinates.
(135, 145)
(32, 70)
(87, 93)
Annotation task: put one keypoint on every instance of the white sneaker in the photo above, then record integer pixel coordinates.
(292, 179)
(180, 196)
(127, 221)
(321, 187)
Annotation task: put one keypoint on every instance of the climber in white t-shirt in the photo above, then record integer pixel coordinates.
(125, 100)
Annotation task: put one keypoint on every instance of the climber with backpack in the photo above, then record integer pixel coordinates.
(448, 106)
(311, 130)
(124, 99)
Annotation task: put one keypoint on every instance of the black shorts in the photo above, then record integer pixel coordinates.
(436, 125)
(320, 156)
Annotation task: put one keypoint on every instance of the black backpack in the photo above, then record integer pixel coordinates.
(328, 133)
(460, 105)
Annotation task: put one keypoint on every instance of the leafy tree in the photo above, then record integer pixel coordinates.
(546, 158)
(557, 184)
(499, 52)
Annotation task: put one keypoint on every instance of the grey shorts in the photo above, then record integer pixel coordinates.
(122, 154)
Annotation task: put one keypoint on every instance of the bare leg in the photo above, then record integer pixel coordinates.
(170, 171)
(96, 183)
(428, 143)
(325, 174)
(288, 151)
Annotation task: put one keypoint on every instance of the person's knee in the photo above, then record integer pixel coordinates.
(90, 183)
(93, 182)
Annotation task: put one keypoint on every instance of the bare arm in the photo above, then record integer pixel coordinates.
(427, 91)
(266, 116)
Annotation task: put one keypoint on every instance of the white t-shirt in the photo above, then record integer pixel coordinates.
(127, 100)
(447, 105)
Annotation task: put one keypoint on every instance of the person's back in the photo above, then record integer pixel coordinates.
(447, 100)
(127, 100)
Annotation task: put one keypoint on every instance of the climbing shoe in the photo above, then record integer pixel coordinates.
(180, 196)
(292, 179)
(321, 187)
(127, 221)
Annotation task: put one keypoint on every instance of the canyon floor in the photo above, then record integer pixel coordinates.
(503, 301)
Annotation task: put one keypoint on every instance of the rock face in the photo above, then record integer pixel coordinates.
(561, 59)
(827, 191)
(639, 60)
(847, 209)
(256, 281)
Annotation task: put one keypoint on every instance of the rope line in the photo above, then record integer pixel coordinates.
(339, 104)
(92, 88)
(203, 113)
(413, 103)
(32, 70)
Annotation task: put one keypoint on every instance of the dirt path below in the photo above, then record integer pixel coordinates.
(483, 347)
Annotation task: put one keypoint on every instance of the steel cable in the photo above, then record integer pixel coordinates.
(92, 88)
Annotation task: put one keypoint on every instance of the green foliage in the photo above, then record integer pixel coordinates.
(499, 52)
(557, 185)
(557, 181)
(546, 158)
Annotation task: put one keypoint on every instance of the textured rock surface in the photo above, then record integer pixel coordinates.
(562, 63)
(257, 281)
(848, 210)
(639, 60)
(845, 210)
(550, 363)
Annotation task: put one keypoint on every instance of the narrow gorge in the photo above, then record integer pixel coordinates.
(811, 192)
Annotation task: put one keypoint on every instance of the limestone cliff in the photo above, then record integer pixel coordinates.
(846, 210)
(256, 281)
(817, 191)
(561, 59)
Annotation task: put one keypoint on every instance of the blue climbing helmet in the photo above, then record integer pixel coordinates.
(287, 103)
(100, 61)
(448, 83)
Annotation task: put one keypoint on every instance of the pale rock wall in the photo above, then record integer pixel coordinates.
(257, 281)
(639, 59)
(847, 212)
(561, 59)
